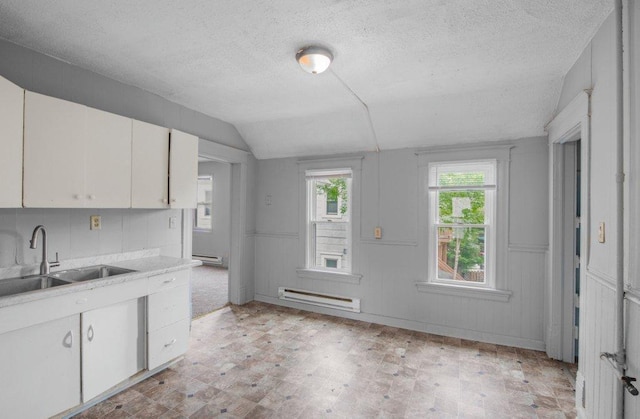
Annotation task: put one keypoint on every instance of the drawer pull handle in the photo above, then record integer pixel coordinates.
(90, 333)
(166, 345)
(168, 281)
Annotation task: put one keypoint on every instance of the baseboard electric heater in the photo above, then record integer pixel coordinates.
(317, 299)
(209, 260)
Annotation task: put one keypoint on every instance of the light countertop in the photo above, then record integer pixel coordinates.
(144, 267)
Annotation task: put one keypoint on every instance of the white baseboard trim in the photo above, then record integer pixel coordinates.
(413, 325)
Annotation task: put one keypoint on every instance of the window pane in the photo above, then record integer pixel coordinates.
(204, 209)
(331, 263)
(331, 198)
(464, 207)
(461, 178)
(332, 207)
(331, 242)
(461, 254)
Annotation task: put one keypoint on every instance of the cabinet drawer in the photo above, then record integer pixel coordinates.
(168, 343)
(168, 307)
(169, 280)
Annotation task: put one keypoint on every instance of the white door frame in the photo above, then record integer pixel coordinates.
(571, 124)
(238, 271)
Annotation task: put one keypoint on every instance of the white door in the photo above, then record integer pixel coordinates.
(108, 160)
(183, 170)
(113, 347)
(54, 136)
(150, 166)
(40, 374)
(11, 120)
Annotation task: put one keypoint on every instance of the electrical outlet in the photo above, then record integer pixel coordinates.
(95, 222)
(172, 222)
(377, 232)
(601, 236)
(267, 200)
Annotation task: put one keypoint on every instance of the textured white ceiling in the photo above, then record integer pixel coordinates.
(431, 71)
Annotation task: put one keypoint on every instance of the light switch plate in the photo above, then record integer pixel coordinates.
(172, 222)
(377, 232)
(601, 235)
(95, 222)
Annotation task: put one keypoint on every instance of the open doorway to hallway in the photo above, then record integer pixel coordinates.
(211, 237)
(572, 251)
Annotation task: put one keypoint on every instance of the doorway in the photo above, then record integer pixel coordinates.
(211, 237)
(571, 248)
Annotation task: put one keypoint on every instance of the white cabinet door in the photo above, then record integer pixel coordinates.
(54, 135)
(40, 374)
(112, 346)
(108, 160)
(11, 121)
(183, 170)
(150, 166)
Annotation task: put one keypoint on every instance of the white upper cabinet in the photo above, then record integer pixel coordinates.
(150, 166)
(107, 160)
(164, 167)
(54, 134)
(11, 120)
(183, 170)
(80, 157)
(75, 156)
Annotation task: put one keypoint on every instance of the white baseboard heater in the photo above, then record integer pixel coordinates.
(209, 260)
(318, 299)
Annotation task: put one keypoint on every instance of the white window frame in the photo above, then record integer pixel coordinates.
(307, 269)
(497, 283)
(313, 219)
(490, 169)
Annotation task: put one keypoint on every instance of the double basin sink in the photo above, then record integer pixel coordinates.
(38, 282)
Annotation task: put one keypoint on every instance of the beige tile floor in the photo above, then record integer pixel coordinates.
(265, 361)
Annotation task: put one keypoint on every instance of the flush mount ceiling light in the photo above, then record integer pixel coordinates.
(314, 60)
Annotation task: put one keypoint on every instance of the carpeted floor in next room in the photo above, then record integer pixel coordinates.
(266, 361)
(209, 289)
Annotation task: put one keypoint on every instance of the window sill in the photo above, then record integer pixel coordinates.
(463, 291)
(344, 277)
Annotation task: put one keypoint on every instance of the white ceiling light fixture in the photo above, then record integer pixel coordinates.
(314, 59)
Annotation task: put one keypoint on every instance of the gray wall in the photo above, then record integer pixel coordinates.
(391, 266)
(596, 68)
(216, 241)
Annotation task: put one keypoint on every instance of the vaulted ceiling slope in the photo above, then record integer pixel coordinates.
(431, 71)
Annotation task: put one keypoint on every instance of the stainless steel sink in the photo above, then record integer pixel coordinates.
(30, 283)
(89, 273)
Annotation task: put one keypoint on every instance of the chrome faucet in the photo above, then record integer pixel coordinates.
(45, 266)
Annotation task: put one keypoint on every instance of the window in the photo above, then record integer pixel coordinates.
(329, 219)
(332, 206)
(203, 216)
(332, 261)
(462, 233)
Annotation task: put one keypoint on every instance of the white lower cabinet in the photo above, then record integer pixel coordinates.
(168, 318)
(101, 338)
(113, 343)
(41, 369)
